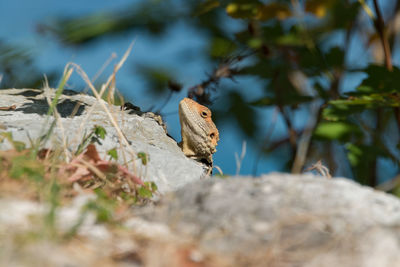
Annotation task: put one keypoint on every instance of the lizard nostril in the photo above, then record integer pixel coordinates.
(204, 114)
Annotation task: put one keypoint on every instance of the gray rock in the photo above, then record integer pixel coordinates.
(286, 220)
(168, 167)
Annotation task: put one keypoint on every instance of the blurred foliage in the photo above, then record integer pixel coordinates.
(287, 46)
(17, 69)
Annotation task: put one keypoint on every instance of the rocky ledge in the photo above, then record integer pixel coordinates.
(168, 167)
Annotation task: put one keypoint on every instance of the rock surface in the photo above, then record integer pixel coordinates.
(276, 220)
(287, 220)
(168, 167)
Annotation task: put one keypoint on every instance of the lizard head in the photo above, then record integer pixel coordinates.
(199, 134)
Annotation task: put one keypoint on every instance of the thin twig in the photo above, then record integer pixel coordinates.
(13, 107)
(380, 28)
(305, 139)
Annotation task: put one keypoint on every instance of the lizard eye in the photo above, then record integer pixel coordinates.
(204, 114)
(212, 135)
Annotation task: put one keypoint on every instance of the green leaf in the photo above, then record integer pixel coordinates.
(339, 112)
(151, 186)
(380, 80)
(100, 132)
(341, 131)
(145, 192)
(144, 157)
(113, 153)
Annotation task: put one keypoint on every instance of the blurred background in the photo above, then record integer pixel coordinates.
(290, 82)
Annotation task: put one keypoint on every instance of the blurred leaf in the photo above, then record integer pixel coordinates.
(335, 57)
(157, 78)
(361, 158)
(80, 30)
(17, 68)
(342, 108)
(380, 79)
(273, 10)
(291, 40)
(255, 43)
(310, 61)
(339, 112)
(221, 47)
(319, 7)
(243, 9)
(343, 14)
(174, 86)
(206, 6)
(341, 131)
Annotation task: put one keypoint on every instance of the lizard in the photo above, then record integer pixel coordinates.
(199, 134)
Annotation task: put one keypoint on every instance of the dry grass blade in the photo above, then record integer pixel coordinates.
(67, 75)
(219, 170)
(97, 75)
(98, 96)
(238, 159)
(320, 168)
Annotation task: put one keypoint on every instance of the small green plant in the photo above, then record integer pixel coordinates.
(144, 157)
(94, 136)
(147, 191)
(113, 154)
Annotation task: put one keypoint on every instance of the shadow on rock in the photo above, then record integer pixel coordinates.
(65, 108)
